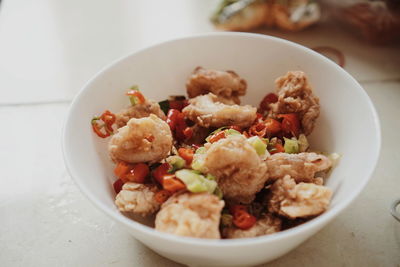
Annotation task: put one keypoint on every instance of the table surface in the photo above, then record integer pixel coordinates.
(49, 48)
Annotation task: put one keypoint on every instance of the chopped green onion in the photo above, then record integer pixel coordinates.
(93, 121)
(201, 150)
(303, 143)
(164, 105)
(232, 132)
(134, 87)
(133, 99)
(258, 145)
(176, 163)
(196, 182)
(198, 162)
(291, 146)
(211, 177)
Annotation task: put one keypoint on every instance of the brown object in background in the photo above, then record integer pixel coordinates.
(376, 21)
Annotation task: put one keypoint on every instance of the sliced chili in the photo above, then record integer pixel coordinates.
(290, 124)
(138, 173)
(160, 172)
(217, 136)
(162, 196)
(186, 154)
(118, 185)
(243, 220)
(172, 184)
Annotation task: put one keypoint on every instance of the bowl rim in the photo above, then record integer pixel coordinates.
(321, 220)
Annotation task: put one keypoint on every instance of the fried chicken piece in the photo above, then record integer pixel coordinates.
(191, 214)
(238, 168)
(137, 198)
(141, 140)
(296, 96)
(266, 225)
(224, 84)
(139, 111)
(298, 200)
(208, 111)
(301, 167)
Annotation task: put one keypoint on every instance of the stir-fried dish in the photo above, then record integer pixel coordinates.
(208, 167)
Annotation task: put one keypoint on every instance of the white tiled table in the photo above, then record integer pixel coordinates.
(49, 48)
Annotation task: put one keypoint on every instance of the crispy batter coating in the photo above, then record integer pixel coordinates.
(137, 198)
(141, 140)
(296, 96)
(301, 167)
(239, 170)
(224, 84)
(266, 225)
(139, 111)
(190, 214)
(208, 111)
(298, 200)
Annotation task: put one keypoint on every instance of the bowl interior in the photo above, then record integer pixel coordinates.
(348, 123)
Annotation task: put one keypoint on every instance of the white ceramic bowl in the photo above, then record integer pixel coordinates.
(348, 125)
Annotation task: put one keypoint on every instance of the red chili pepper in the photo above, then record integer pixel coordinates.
(108, 118)
(118, 185)
(188, 132)
(162, 196)
(273, 127)
(136, 94)
(278, 148)
(290, 124)
(176, 104)
(186, 154)
(172, 184)
(268, 99)
(235, 208)
(259, 117)
(138, 173)
(121, 169)
(180, 127)
(243, 220)
(217, 136)
(96, 128)
(172, 117)
(161, 171)
(258, 129)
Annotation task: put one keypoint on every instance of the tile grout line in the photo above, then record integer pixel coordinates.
(51, 102)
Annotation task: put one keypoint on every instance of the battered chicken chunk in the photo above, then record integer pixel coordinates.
(208, 111)
(268, 224)
(296, 96)
(298, 200)
(141, 140)
(238, 168)
(137, 198)
(139, 111)
(224, 84)
(301, 167)
(190, 214)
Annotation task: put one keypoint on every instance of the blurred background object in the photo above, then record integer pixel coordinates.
(246, 15)
(377, 21)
